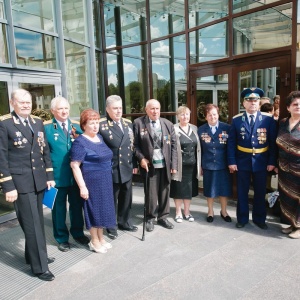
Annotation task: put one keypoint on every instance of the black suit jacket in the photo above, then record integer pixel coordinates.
(121, 146)
(144, 146)
(25, 163)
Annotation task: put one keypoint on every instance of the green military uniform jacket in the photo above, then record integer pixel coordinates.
(60, 146)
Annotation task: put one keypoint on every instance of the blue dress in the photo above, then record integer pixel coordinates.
(95, 158)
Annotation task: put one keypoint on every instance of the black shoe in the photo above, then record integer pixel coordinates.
(210, 219)
(226, 219)
(46, 276)
(261, 225)
(128, 228)
(50, 260)
(112, 233)
(149, 226)
(240, 225)
(83, 240)
(165, 223)
(64, 247)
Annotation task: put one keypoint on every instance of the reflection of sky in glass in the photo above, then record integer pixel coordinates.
(28, 43)
(37, 14)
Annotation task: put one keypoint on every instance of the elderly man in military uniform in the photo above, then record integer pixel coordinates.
(252, 153)
(60, 133)
(25, 172)
(118, 135)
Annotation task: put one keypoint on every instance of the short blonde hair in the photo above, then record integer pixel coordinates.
(182, 109)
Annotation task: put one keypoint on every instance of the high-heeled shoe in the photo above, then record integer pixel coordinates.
(102, 249)
(107, 245)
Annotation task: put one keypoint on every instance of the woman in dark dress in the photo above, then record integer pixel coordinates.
(184, 184)
(217, 181)
(288, 142)
(91, 166)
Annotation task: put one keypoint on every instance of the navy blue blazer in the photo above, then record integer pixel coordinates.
(263, 135)
(214, 146)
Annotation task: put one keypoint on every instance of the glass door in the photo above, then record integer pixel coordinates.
(43, 90)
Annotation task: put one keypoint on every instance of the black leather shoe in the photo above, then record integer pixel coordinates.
(261, 225)
(64, 247)
(50, 260)
(112, 233)
(165, 223)
(46, 276)
(83, 240)
(149, 226)
(210, 219)
(240, 225)
(226, 219)
(128, 228)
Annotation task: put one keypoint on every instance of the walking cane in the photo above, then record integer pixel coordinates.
(146, 191)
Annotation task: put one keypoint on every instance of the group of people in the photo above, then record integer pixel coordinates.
(91, 163)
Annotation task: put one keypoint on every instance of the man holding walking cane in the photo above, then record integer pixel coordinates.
(155, 149)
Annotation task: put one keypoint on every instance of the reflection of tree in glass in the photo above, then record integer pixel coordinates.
(41, 113)
(134, 97)
(223, 105)
(113, 89)
(182, 98)
(163, 96)
(201, 111)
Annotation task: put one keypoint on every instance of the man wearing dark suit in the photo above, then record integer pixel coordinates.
(60, 133)
(156, 150)
(25, 172)
(118, 136)
(251, 153)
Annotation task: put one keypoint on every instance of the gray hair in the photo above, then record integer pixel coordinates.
(151, 100)
(112, 99)
(19, 93)
(56, 100)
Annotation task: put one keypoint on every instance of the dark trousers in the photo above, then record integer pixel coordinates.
(259, 181)
(123, 201)
(157, 195)
(29, 210)
(59, 213)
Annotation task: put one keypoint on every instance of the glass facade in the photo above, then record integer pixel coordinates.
(86, 50)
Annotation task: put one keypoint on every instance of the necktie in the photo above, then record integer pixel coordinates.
(64, 129)
(213, 129)
(153, 124)
(27, 126)
(251, 121)
(120, 126)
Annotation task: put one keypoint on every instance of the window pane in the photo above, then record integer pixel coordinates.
(112, 74)
(267, 29)
(35, 49)
(134, 85)
(242, 5)
(202, 12)
(166, 19)
(2, 12)
(4, 106)
(36, 13)
(109, 22)
(74, 19)
(209, 43)
(161, 74)
(3, 45)
(77, 78)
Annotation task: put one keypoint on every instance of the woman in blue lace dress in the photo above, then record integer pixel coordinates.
(91, 165)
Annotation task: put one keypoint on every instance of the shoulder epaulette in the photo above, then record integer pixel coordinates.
(238, 115)
(35, 117)
(127, 120)
(266, 114)
(47, 122)
(5, 117)
(75, 122)
(103, 119)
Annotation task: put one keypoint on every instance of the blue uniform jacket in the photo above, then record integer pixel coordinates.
(214, 146)
(263, 135)
(60, 146)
